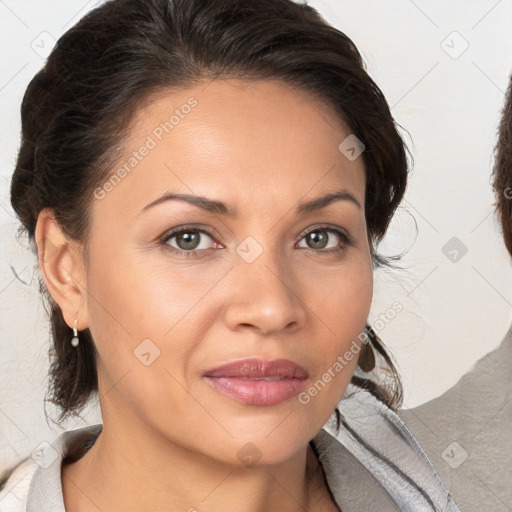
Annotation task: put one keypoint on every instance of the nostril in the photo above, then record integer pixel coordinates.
(247, 326)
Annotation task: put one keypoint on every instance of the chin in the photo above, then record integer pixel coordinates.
(264, 443)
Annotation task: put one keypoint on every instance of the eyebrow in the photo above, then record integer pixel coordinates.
(219, 208)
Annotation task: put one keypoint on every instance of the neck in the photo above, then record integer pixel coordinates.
(136, 469)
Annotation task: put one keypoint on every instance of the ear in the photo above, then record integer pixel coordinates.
(63, 269)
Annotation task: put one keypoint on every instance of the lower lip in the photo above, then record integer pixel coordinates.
(258, 392)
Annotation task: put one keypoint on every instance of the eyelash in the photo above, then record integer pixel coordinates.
(346, 239)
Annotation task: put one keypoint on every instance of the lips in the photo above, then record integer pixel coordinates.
(258, 381)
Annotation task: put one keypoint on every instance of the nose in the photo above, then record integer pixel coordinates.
(265, 297)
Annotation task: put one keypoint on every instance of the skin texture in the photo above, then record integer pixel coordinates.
(261, 147)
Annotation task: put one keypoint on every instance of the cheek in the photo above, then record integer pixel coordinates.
(147, 320)
(348, 299)
(147, 326)
(135, 323)
(343, 306)
(141, 297)
(344, 298)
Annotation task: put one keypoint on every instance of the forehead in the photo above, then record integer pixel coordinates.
(239, 138)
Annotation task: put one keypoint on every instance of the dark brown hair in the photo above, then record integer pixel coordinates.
(77, 109)
(502, 173)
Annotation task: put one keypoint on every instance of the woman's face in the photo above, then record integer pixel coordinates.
(254, 265)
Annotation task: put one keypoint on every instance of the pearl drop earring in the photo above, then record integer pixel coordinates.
(75, 341)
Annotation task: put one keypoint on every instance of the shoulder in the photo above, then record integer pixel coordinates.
(35, 481)
(14, 485)
(351, 484)
(384, 445)
(471, 449)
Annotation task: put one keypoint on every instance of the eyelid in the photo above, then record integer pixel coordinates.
(326, 227)
(188, 227)
(347, 238)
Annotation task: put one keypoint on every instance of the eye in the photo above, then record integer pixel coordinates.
(326, 237)
(189, 240)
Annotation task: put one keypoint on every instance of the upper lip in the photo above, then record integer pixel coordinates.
(254, 368)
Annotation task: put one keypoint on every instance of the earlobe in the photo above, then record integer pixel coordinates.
(62, 268)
